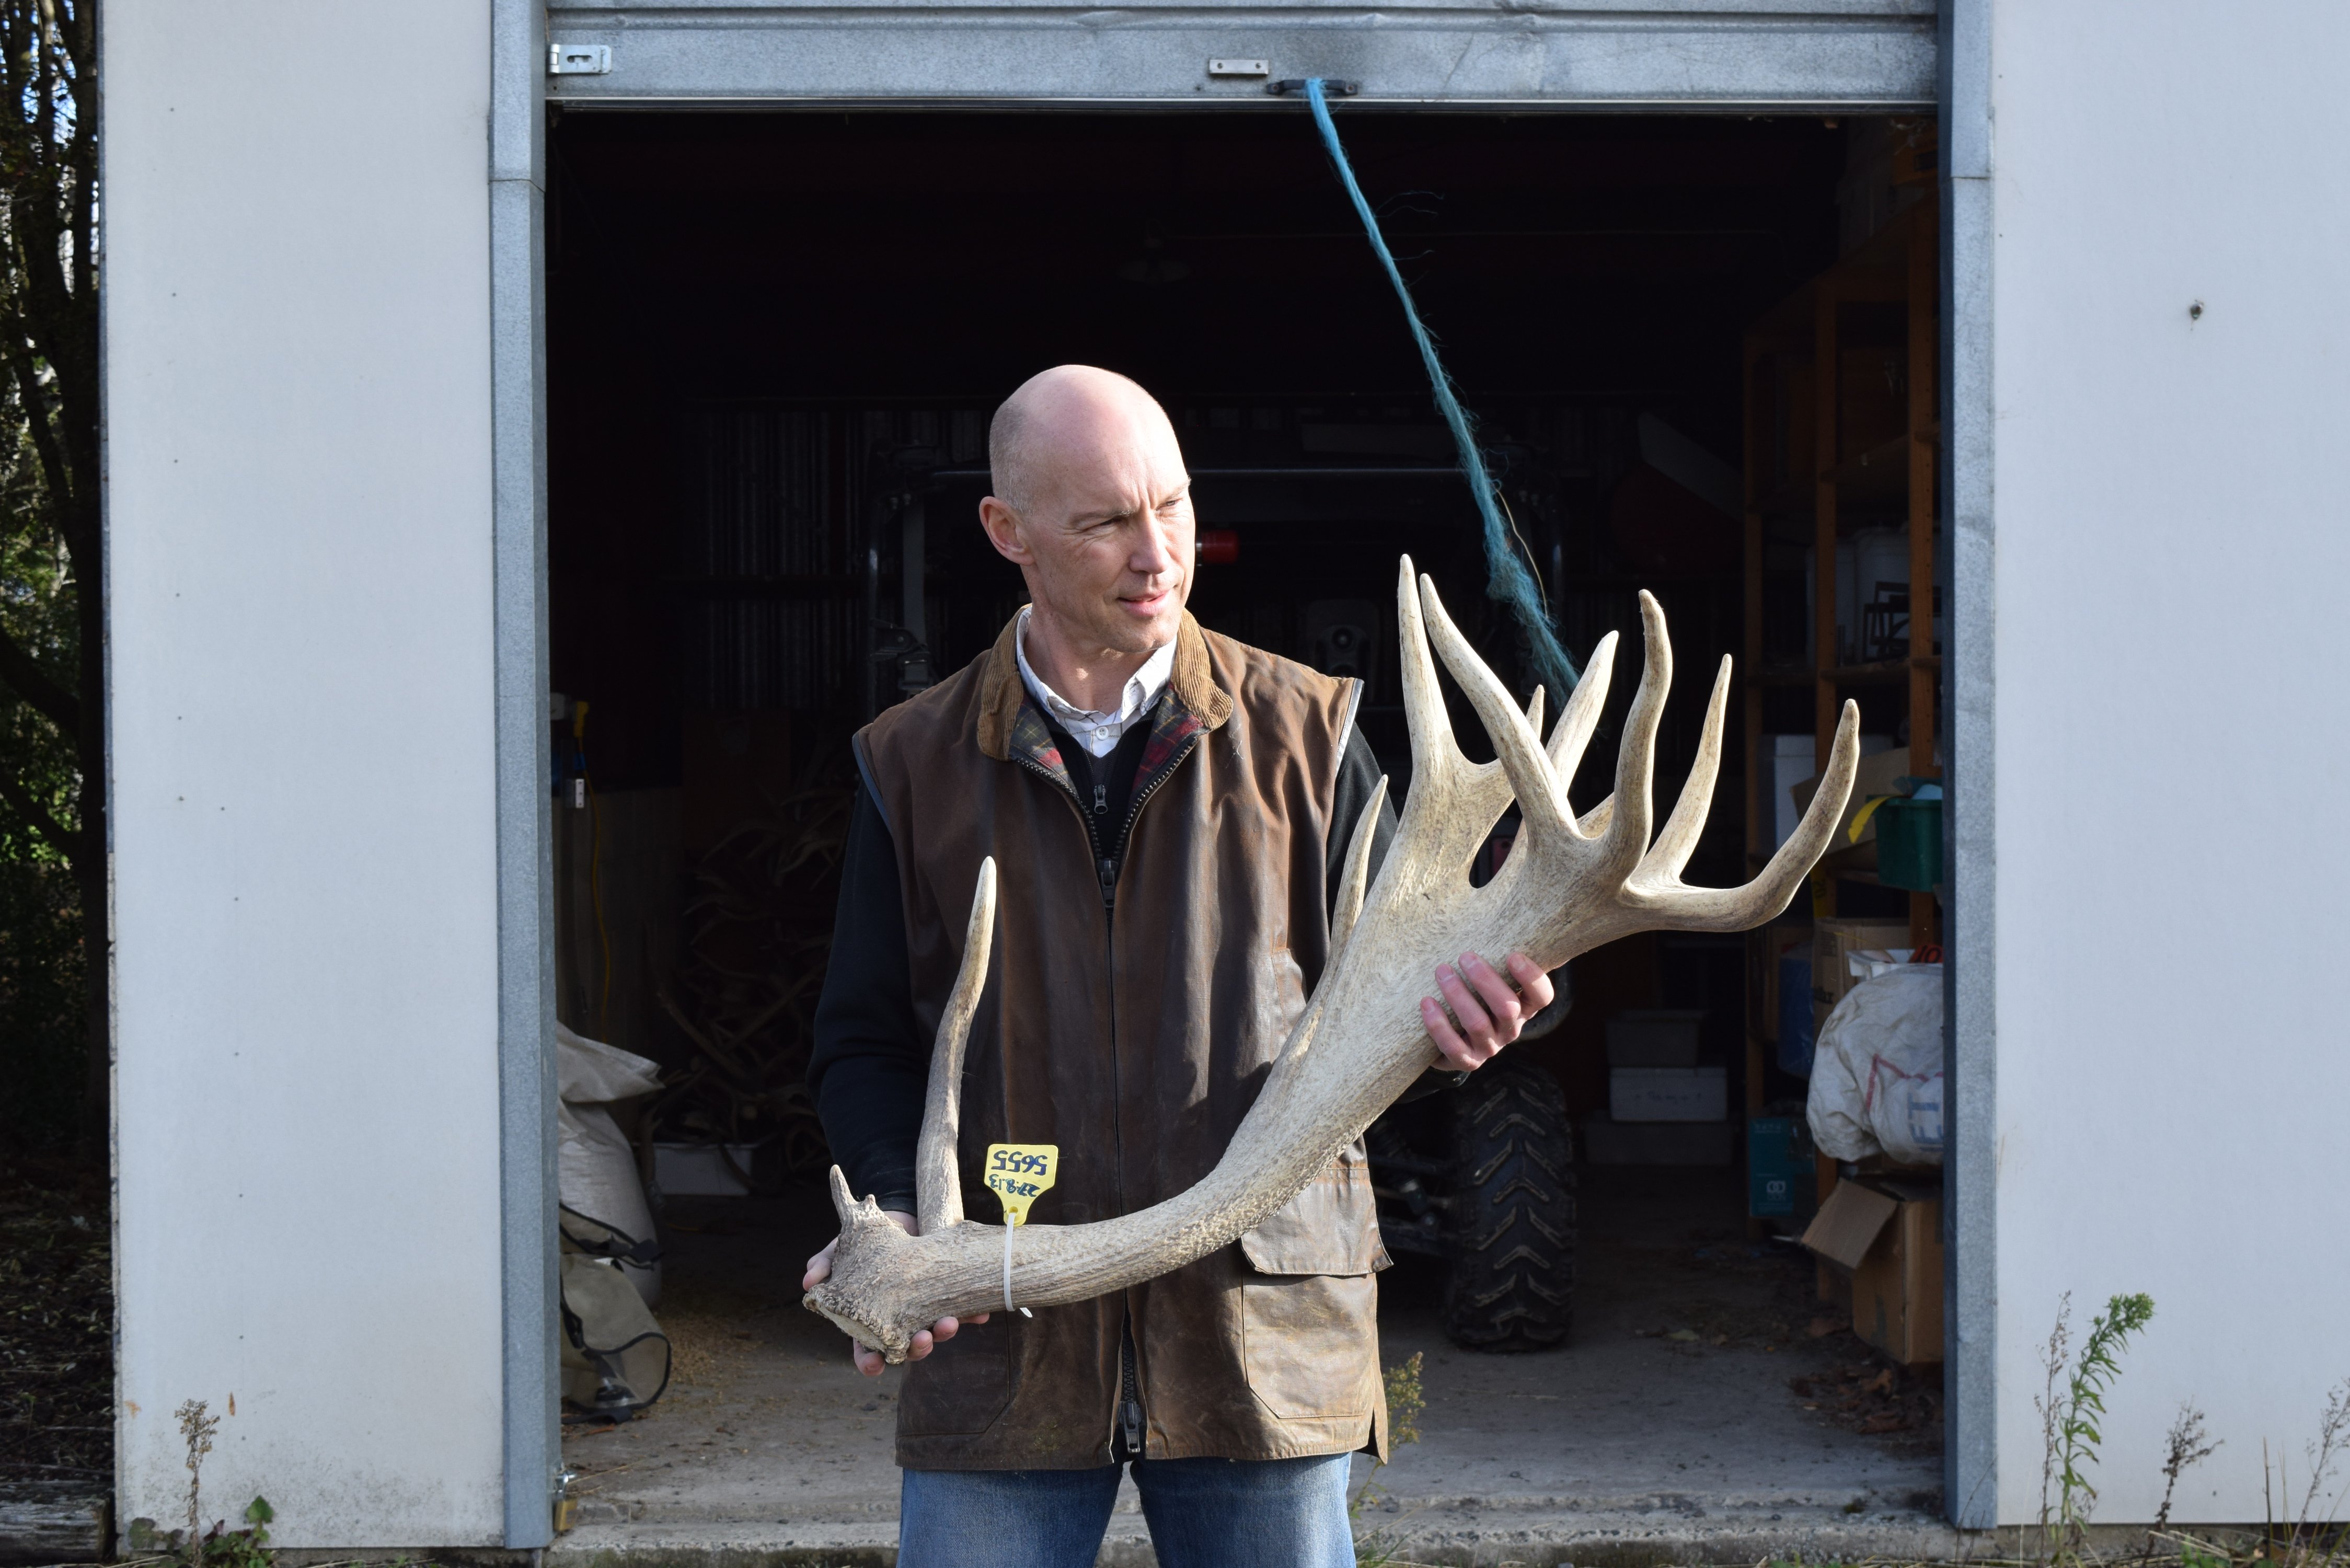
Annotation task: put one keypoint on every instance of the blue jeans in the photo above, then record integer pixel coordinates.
(1203, 1514)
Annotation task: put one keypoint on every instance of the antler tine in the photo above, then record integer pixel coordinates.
(1688, 909)
(1675, 844)
(938, 1186)
(1517, 744)
(1581, 717)
(1434, 752)
(1635, 755)
(1359, 1041)
(1356, 879)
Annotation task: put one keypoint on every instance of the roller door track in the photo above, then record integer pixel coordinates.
(1776, 55)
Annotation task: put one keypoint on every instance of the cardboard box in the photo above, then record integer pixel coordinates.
(1668, 1094)
(698, 1170)
(1653, 1037)
(1782, 1179)
(1873, 777)
(1606, 1142)
(1833, 940)
(1888, 1236)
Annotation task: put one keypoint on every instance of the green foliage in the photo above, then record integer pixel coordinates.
(2069, 1418)
(1405, 1401)
(44, 1013)
(50, 699)
(38, 613)
(224, 1548)
(44, 1009)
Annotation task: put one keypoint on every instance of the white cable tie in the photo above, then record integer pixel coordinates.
(1008, 1227)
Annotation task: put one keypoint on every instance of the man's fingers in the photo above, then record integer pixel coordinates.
(1447, 1041)
(820, 1268)
(1476, 1027)
(921, 1346)
(869, 1362)
(1533, 981)
(1499, 997)
(943, 1330)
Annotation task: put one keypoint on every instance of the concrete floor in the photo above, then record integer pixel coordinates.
(1666, 1431)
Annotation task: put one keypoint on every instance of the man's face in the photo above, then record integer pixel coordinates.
(1104, 532)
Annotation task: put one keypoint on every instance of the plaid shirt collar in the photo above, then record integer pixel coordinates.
(1173, 726)
(1097, 733)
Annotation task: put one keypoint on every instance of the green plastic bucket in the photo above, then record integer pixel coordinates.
(1909, 844)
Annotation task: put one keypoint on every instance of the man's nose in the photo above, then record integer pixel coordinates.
(1154, 552)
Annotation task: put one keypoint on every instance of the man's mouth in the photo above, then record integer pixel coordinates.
(1148, 604)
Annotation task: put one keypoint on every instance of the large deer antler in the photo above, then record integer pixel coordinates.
(1568, 887)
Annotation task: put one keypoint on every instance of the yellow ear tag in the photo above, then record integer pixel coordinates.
(1017, 1173)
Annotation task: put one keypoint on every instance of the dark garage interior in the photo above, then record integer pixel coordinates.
(774, 344)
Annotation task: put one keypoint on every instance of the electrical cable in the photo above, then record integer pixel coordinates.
(1508, 580)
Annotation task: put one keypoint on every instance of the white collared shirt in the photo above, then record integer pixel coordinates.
(1099, 733)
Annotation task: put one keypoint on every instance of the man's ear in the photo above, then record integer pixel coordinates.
(1005, 531)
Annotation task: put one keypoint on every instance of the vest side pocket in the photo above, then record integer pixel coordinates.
(1309, 1343)
(961, 1386)
(1309, 1325)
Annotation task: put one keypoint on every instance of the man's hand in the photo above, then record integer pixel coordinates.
(869, 1362)
(1481, 1010)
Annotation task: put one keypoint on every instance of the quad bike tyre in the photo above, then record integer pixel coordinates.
(1512, 1219)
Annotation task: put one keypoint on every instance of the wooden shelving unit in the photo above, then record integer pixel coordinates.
(1811, 462)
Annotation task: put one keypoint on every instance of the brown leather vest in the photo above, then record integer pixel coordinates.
(1135, 1035)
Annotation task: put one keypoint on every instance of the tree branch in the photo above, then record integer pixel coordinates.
(48, 695)
(62, 481)
(58, 838)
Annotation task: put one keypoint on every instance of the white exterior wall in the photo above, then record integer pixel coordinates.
(305, 776)
(298, 344)
(2171, 541)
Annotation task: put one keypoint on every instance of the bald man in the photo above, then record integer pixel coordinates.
(1168, 809)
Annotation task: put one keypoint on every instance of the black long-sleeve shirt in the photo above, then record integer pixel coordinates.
(869, 1070)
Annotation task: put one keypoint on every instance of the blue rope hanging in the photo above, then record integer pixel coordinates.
(1508, 580)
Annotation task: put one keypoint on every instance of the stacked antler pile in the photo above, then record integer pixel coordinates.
(1569, 885)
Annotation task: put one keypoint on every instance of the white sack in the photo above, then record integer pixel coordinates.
(1877, 1076)
(595, 1168)
(590, 1073)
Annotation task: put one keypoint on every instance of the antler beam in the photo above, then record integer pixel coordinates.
(1569, 885)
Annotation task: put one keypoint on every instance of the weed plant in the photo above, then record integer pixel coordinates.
(2071, 1406)
(1406, 1400)
(221, 1547)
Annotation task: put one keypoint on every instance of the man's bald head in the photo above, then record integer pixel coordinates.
(1093, 504)
(1068, 415)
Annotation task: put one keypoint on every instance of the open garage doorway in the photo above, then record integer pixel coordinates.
(774, 344)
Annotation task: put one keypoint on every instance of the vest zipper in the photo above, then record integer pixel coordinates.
(1105, 870)
(1131, 1418)
(1130, 1394)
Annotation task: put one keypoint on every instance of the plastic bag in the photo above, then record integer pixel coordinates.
(595, 1169)
(613, 1358)
(1876, 1073)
